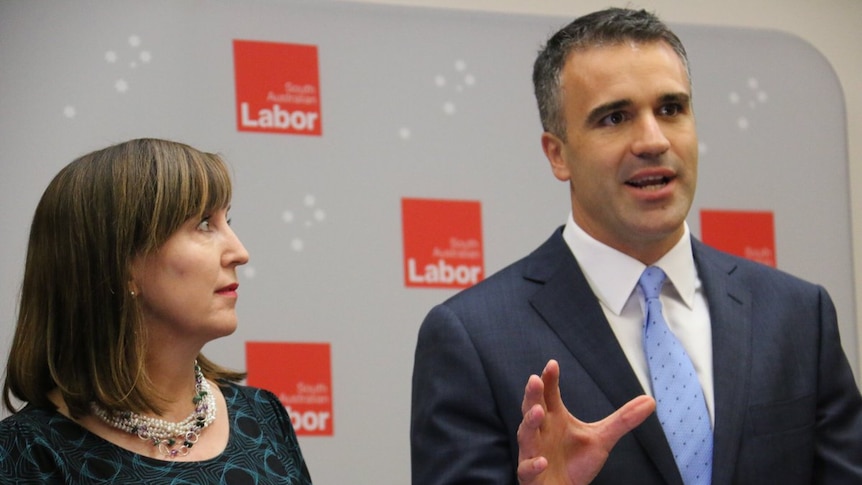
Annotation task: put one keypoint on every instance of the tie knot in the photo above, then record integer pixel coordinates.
(651, 281)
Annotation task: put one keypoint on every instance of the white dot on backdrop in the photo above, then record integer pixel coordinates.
(404, 133)
(69, 112)
(134, 40)
(145, 56)
(460, 65)
(249, 272)
(133, 64)
(469, 80)
(742, 123)
(762, 96)
(733, 97)
(287, 216)
(111, 56)
(309, 200)
(320, 215)
(121, 86)
(752, 83)
(702, 148)
(449, 108)
(439, 80)
(296, 244)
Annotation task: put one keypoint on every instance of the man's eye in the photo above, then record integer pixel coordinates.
(613, 119)
(671, 109)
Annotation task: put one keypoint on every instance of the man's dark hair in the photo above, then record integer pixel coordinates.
(603, 28)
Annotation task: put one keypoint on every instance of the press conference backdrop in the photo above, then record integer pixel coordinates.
(379, 109)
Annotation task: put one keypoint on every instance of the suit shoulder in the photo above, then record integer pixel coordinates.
(505, 281)
(523, 274)
(710, 259)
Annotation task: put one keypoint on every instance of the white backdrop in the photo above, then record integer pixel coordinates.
(77, 77)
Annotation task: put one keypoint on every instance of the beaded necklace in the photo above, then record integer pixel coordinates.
(171, 439)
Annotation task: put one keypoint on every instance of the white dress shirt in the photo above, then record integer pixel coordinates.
(613, 277)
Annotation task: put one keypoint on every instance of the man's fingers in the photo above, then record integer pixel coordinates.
(551, 380)
(533, 393)
(627, 418)
(528, 470)
(529, 430)
(529, 438)
(534, 417)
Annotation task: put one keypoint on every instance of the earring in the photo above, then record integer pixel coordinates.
(132, 292)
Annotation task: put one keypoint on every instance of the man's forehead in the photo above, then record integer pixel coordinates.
(599, 60)
(600, 47)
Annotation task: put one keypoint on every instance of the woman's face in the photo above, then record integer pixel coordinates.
(188, 287)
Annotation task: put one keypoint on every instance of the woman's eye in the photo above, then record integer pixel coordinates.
(204, 224)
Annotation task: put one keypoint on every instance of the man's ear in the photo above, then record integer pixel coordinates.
(553, 148)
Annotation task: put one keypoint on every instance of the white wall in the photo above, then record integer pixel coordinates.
(345, 286)
(834, 27)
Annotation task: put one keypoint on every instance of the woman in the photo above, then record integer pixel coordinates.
(130, 270)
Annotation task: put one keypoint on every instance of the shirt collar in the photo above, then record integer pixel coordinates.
(613, 275)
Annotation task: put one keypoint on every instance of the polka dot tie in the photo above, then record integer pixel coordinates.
(680, 405)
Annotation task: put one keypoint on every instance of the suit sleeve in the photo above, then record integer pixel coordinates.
(456, 433)
(838, 458)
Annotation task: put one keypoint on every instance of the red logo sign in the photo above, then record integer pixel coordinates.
(299, 374)
(442, 243)
(277, 87)
(743, 233)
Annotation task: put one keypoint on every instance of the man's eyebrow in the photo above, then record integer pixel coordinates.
(603, 110)
(681, 98)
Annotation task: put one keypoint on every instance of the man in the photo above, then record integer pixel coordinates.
(772, 393)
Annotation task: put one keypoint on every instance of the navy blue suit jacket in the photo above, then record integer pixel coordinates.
(787, 409)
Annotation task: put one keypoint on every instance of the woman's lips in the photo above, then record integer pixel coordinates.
(229, 290)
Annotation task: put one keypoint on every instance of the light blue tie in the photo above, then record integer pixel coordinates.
(680, 405)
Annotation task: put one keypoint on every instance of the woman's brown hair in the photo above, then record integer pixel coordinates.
(79, 328)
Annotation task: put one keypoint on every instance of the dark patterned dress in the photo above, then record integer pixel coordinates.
(43, 446)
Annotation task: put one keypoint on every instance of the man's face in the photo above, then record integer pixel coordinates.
(630, 152)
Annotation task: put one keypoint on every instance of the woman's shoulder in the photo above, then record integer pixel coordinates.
(36, 443)
(255, 396)
(244, 400)
(33, 420)
(255, 410)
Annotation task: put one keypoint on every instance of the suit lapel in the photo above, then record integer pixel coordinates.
(730, 315)
(570, 308)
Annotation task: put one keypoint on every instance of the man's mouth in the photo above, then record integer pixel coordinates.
(654, 182)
